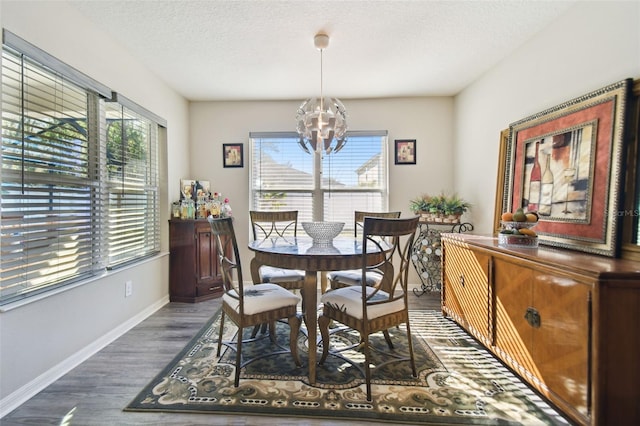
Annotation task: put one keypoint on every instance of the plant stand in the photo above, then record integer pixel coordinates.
(426, 253)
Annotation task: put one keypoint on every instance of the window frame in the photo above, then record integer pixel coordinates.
(17, 285)
(321, 183)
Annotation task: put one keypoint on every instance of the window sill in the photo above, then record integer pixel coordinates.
(35, 298)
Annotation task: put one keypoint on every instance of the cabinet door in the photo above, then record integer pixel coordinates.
(562, 341)
(467, 288)
(543, 331)
(182, 261)
(513, 335)
(206, 255)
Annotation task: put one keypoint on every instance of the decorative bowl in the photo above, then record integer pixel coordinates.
(322, 232)
(517, 225)
(512, 240)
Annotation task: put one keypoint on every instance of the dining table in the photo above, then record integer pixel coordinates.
(302, 254)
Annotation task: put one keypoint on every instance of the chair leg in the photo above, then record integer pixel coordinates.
(256, 328)
(272, 332)
(238, 356)
(294, 329)
(411, 359)
(323, 325)
(262, 328)
(220, 334)
(388, 339)
(367, 368)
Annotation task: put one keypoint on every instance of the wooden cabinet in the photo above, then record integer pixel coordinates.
(564, 321)
(193, 264)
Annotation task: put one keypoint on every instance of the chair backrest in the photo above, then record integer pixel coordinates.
(228, 255)
(360, 215)
(267, 224)
(394, 238)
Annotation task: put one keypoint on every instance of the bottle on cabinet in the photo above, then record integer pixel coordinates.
(535, 182)
(198, 202)
(226, 209)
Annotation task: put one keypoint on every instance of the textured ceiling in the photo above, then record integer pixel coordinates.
(263, 49)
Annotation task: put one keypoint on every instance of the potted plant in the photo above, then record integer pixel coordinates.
(439, 208)
(420, 205)
(453, 208)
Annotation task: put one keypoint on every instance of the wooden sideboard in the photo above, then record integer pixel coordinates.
(193, 264)
(564, 321)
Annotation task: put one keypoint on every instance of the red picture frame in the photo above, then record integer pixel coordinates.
(580, 146)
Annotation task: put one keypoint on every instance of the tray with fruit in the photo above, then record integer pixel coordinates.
(516, 230)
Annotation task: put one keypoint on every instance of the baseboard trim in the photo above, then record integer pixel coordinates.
(26, 392)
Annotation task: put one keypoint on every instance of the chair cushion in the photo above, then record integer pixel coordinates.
(261, 298)
(349, 300)
(354, 277)
(269, 274)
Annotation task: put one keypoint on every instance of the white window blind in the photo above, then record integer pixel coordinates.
(49, 181)
(284, 177)
(79, 176)
(132, 170)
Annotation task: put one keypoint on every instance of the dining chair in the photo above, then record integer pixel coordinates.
(251, 305)
(339, 279)
(369, 309)
(276, 224)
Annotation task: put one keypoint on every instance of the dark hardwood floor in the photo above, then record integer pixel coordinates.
(95, 392)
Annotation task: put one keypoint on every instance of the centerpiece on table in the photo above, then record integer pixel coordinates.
(441, 208)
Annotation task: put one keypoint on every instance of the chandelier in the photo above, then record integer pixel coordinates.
(322, 122)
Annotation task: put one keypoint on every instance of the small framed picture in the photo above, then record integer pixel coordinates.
(232, 155)
(405, 151)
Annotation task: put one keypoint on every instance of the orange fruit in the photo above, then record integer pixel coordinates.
(507, 217)
(528, 232)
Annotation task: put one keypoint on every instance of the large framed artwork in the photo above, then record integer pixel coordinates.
(565, 163)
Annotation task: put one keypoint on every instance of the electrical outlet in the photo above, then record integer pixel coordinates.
(128, 288)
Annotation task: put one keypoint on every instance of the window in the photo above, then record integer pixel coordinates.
(132, 185)
(79, 176)
(330, 187)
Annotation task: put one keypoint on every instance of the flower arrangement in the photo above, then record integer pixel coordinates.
(439, 208)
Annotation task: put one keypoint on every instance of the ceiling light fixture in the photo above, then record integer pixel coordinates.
(321, 121)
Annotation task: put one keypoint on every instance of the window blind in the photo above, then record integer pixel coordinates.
(49, 181)
(284, 177)
(79, 176)
(132, 168)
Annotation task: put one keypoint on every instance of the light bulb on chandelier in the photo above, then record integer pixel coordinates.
(322, 122)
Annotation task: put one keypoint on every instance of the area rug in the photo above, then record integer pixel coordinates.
(458, 381)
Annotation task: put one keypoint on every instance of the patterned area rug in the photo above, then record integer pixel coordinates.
(458, 382)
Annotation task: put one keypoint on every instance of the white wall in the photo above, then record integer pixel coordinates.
(43, 338)
(592, 45)
(428, 120)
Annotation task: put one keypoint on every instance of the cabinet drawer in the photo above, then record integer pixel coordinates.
(208, 289)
